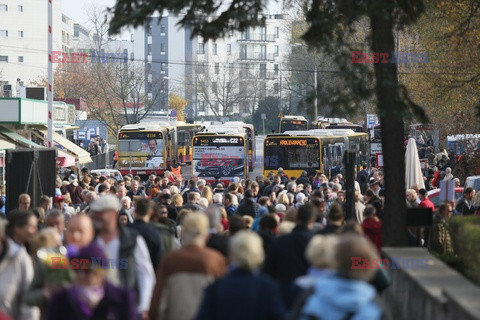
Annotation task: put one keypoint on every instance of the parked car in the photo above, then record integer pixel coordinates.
(434, 195)
(109, 173)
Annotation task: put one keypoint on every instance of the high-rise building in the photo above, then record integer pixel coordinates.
(24, 41)
(223, 77)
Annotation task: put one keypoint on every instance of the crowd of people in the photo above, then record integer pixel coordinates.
(274, 247)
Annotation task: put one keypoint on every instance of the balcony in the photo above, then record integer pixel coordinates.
(257, 38)
(264, 75)
(256, 56)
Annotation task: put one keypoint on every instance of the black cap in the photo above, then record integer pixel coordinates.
(423, 192)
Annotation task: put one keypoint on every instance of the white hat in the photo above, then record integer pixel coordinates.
(104, 203)
(280, 207)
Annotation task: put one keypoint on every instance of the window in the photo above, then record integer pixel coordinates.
(20, 8)
(277, 32)
(231, 68)
(163, 66)
(20, 58)
(149, 68)
(201, 48)
(149, 30)
(275, 69)
(20, 34)
(201, 106)
(214, 87)
(162, 29)
(217, 68)
(3, 7)
(229, 49)
(214, 49)
(263, 71)
(149, 49)
(276, 51)
(263, 89)
(3, 58)
(163, 47)
(276, 87)
(3, 33)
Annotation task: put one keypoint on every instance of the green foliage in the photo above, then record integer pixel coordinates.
(203, 17)
(271, 107)
(465, 233)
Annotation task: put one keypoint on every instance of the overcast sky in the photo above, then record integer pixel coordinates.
(77, 10)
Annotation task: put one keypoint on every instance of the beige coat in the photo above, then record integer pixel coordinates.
(16, 274)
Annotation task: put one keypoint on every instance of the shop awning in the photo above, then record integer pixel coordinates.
(82, 155)
(5, 145)
(65, 160)
(18, 138)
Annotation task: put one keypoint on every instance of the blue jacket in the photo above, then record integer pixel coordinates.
(242, 295)
(335, 297)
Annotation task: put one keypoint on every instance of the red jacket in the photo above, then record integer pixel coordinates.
(426, 203)
(373, 230)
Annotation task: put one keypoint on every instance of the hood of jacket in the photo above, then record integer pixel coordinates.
(334, 297)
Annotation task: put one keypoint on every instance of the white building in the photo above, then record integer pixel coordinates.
(24, 41)
(251, 59)
(191, 68)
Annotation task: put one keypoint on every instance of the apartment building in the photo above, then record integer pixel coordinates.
(24, 42)
(223, 77)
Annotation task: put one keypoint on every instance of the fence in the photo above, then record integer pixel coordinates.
(101, 161)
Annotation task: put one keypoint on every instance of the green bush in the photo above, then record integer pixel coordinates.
(465, 233)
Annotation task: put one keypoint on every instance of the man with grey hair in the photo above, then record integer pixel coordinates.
(184, 273)
(192, 203)
(90, 196)
(123, 243)
(15, 278)
(55, 219)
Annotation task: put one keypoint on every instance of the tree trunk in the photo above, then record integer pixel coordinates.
(389, 108)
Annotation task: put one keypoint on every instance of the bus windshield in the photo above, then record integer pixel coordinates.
(293, 125)
(291, 153)
(140, 149)
(218, 156)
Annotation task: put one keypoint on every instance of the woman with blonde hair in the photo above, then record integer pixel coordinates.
(283, 199)
(207, 194)
(243, 293)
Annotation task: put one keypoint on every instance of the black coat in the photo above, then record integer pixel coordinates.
(286, 259)
(248, 208)
(152, 239)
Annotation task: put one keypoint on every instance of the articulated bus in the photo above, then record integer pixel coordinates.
(145, 148)
(250, 131)
(184, 134)
(289, 123)
(220, 154)
(296, 151)
(148, 148)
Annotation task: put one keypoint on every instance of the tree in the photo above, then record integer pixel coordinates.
(178, 104)
(224, 87)
(270, 106)
(330, 25)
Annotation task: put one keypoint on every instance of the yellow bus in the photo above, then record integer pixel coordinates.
(184, 134)
(220, 155)
(296, 151)
(145, 148)
(289, 123)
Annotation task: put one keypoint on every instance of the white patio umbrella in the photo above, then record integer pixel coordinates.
(413, 171)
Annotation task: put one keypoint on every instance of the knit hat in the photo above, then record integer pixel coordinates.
(93, 250)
